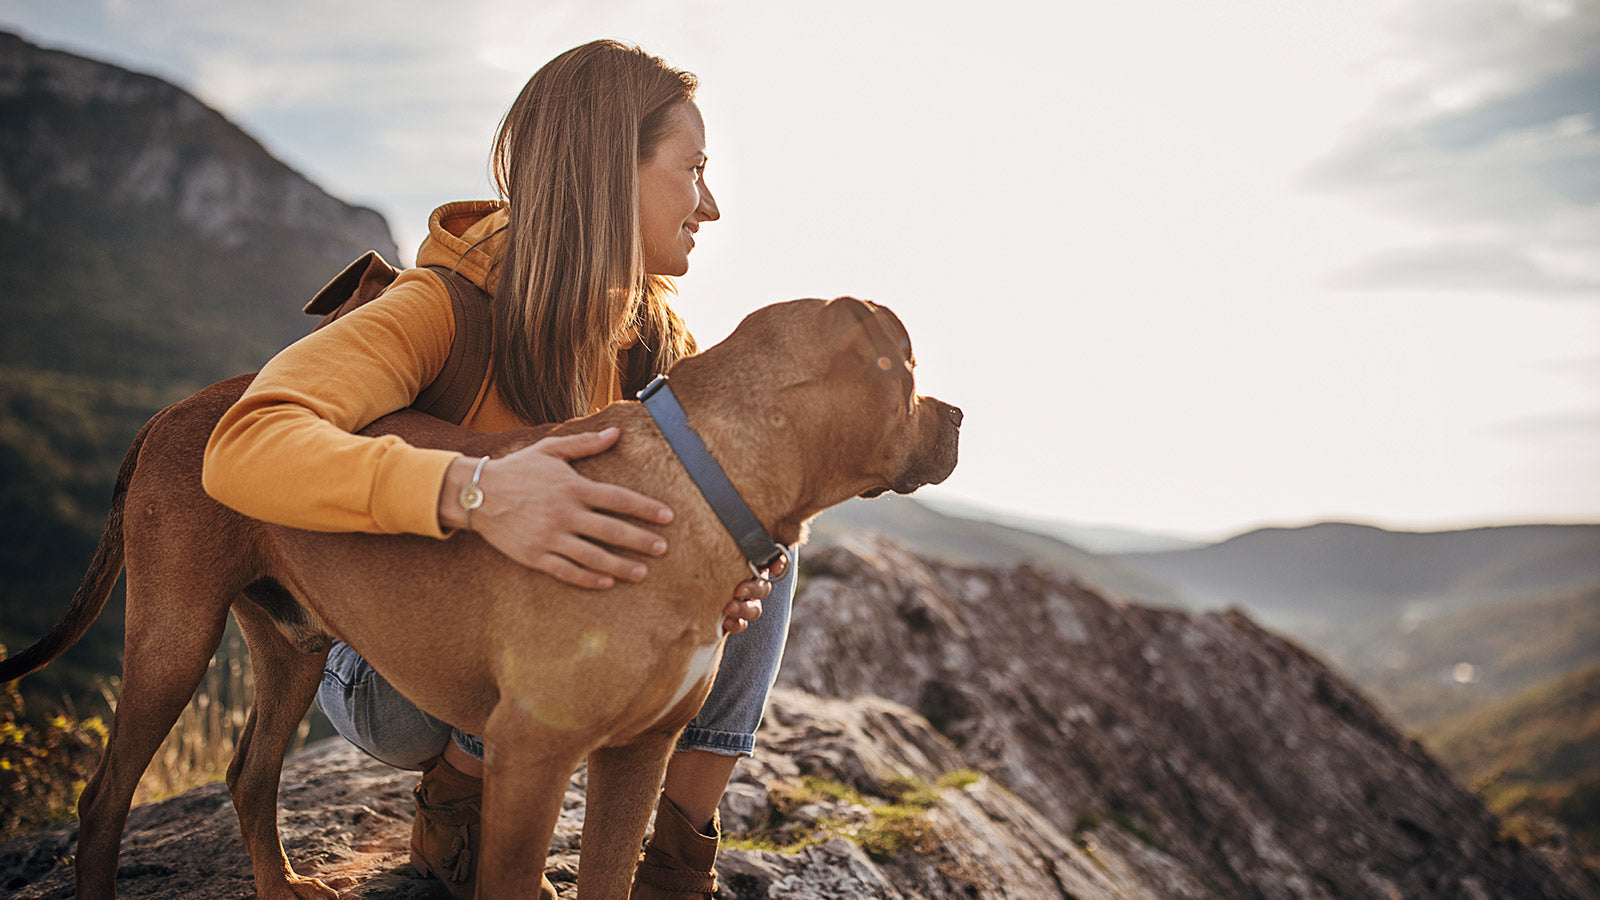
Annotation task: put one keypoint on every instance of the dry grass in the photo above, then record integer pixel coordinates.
(44, 767)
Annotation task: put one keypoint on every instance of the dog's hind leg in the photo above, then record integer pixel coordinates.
(286, 679)
(167, 648)
(623, 784)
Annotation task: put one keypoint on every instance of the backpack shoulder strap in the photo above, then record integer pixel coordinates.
(452, 393)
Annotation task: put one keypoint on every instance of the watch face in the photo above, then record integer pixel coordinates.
(471, 497)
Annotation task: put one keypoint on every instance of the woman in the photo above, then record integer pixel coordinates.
(601, 164)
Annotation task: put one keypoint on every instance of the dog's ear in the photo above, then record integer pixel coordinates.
(878, 334)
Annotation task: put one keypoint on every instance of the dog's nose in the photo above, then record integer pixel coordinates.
(955, 415)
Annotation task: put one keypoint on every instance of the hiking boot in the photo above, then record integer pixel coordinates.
(679, 862)
(445, 834)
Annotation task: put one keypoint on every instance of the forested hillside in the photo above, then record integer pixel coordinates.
(148, 247)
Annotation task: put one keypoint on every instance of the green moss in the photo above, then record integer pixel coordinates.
(898, 814)
(894, 828)
(790, 796)
(960, 779)
(911, 791)
(766, 844)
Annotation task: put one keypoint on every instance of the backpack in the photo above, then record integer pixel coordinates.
(450, 396)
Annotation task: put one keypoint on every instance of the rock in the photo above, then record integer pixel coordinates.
(1229, 756)
(836, 870)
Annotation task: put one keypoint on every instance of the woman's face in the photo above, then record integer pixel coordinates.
(673, 197)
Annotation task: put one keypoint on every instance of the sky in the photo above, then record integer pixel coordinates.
(1189, 268)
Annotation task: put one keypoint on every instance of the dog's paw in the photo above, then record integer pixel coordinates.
(302, 888)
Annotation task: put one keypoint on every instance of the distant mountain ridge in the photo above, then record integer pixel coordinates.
(1346, 571)
(970, 541)
(1100, 540)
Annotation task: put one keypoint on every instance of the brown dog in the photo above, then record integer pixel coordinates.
(806, 404)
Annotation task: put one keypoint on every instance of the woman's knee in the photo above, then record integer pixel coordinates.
(368, 712)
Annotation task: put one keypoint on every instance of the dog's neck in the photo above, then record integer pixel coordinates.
(763, 463)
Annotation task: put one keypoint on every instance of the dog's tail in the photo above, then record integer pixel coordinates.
(96, 584)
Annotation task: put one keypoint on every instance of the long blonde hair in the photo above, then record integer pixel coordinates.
(572, 289)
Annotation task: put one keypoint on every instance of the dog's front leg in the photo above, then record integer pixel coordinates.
(623, 784)
(527, 768)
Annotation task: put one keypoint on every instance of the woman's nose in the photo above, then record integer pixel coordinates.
(708, 205)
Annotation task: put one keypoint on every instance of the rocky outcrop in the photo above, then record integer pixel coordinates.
(346, 819)
(1231, 755)
(948, 732)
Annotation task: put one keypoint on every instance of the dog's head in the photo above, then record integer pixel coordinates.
(873, 370)
(835, 379)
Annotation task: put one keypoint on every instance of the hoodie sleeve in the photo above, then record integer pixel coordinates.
(286, 452)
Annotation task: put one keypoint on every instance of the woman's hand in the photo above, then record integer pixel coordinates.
(745, 607)
(746, 604)
(541, 513)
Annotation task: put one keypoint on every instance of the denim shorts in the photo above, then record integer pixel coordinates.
(371, 714)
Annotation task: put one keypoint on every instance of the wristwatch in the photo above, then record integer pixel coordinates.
(471, 496)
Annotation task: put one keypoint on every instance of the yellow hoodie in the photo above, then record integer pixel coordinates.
(286, 452)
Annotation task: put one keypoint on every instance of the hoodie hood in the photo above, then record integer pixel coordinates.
(467, 236)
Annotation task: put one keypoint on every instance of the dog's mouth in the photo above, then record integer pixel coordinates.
(936, 463)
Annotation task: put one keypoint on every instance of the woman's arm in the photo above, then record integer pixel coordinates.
(285, 453)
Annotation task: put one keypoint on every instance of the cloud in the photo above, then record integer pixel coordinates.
(1577, 425)
(1488, 266)
(1494, 144)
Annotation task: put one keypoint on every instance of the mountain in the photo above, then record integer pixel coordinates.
(148, 247)
(945, 731)
(1433, 623)
(143, 235)
(1346, 573)
(1098, 540)
(959, 539)
(1466, 658)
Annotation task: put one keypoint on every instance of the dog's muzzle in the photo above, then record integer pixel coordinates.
(935, 457)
